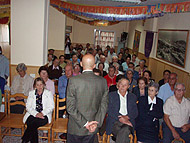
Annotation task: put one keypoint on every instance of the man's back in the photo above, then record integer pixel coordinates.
(87, 100)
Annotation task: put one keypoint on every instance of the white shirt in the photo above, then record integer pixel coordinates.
(123, 103)
(150, 101)
(179, 113)
(55, 67)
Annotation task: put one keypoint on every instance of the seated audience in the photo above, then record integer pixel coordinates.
(111, 54)
(62, 85)
(167, 89)
(75, 59)
(114, 87)
(51, 52)
(106, 56)
(62, 62)
(141, 68)
(150, 110)
(121, 116)
(111, 77)
(166, 75)
(76, 69)
(126, 63)
(96, 72)
(101, 68)
(176, 116)
(135, 60)
(126, 53)
(147, 74)
(55, 71)
(135, 73)
(22, 83)
(67, 48)
(50, 60)
(97, 56)
(120, 59)
(79, 49)
(43, 72)
(103, 60)
(132, 82)
(39, 107)
(141, 89)
(117, 72)
(49, 84)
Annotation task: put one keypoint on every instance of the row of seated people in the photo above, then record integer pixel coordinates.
(21, 68)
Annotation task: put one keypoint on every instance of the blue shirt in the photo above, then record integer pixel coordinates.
(62, 86)
(4, 64)
(165, 92)
(125, 66)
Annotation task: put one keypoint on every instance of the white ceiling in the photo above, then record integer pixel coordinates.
(122, 4)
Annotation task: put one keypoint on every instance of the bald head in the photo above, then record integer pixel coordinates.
(88, 62)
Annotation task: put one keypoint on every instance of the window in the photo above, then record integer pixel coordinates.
(104, 38)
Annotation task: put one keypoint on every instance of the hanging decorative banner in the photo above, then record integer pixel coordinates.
(148, 43)
(136, 10)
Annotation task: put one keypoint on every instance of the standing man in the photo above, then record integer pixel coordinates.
(87, 102)
(4, 70)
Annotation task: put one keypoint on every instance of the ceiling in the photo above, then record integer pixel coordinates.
(122, 4)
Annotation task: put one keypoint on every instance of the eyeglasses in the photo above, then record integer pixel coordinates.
(179, 90)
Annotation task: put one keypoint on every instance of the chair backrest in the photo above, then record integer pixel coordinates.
(180, 140)
(60, 108)
(16, 102)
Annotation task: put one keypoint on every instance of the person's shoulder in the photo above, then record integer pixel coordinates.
(170, 100)
(62, 77)
(132, 95)
(159, 100)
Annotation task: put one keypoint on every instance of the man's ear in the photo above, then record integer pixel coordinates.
(81, 64)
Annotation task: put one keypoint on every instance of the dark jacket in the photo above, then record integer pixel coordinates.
(114, 107)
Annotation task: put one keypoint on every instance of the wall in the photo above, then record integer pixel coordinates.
(84, 33)
(28, 31)
(56, 29)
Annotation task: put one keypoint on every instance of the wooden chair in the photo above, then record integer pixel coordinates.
(108, 138)
(60, 124)
(4, 102)
(13, 120)
(48, 127)
(178, 141)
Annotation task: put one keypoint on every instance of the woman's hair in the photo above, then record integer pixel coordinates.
(142, 78)
(38, 79)
(149, 73)
(44, 68)
(97, 71)
(155, 85)
(21, 66)
(102, 64)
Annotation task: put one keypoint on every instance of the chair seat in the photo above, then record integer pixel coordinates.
(13, 120)
(60, 125)
(46, 127)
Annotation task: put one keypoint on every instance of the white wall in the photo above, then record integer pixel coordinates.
(28, 31)
(84, 33)
(56, 29)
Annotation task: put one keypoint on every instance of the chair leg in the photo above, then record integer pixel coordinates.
(52, 136)
(0, 136)
(49, 138)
